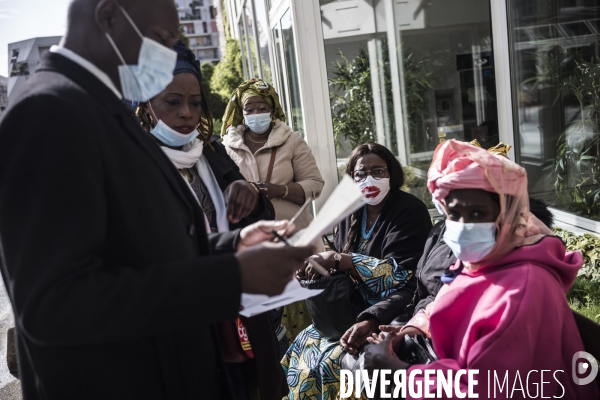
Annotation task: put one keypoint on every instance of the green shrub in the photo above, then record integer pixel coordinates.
(584, 297)
(216, 102)
(589, 245)
(228, 73)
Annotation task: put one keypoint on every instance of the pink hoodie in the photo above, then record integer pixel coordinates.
(512, 315)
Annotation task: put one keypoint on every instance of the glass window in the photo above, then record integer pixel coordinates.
(556, 74)
(289, 52)
(251, 39)
(262, 31)
(244, 49)
(278, 57)
(408, 75)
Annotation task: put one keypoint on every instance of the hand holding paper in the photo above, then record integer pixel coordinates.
(345, 199)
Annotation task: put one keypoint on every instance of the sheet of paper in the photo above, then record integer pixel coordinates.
(345, 199)
(255, 304)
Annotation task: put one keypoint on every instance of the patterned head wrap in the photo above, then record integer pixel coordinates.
(234, 114)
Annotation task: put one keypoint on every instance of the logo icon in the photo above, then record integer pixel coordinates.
(582, 363)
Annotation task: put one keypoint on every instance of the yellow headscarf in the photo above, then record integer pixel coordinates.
(501, 148)
(234, 114)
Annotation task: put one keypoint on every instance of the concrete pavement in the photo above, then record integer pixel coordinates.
(10, 388)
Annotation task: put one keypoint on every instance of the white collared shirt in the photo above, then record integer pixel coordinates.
(76, 58)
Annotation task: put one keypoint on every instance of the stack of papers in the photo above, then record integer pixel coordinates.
(257, 303)
(345, 199)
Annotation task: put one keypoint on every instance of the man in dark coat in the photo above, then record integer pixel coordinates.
(114, 283)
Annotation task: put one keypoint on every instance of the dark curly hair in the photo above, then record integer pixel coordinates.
(396, 182)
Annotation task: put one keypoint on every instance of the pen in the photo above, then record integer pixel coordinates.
(291, 221)
(312, 262)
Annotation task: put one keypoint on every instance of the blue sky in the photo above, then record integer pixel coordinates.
(24, 19)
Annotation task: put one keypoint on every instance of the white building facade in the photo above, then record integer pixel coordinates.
(199, 25)
(23, 59)
(3, 94)
(409, 74)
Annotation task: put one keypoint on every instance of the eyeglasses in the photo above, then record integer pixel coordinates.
(376, 173)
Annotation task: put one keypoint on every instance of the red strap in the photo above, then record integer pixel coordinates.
(244, 339)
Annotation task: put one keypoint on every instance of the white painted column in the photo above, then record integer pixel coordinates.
(314, 89)
(395, 70)
(502, 74)
(376, 90)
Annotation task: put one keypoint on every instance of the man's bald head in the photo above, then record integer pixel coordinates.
(80, 9)
(91, 21)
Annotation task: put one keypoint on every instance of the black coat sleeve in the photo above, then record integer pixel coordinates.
(226, 172)
(53, 220)
(389, 308)
(407, 233)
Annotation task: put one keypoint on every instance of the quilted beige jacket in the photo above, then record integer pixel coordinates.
(294, 163)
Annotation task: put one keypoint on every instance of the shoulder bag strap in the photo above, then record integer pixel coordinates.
(271, 163)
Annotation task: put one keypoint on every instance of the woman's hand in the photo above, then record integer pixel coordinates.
(383, 356)
(295, 191)
(241, 199)
(357, 335)
(324, 259)
(271, 190)
(398, 335)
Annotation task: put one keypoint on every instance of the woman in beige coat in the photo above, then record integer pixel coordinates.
(276, 160)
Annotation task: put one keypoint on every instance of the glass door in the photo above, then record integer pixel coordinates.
(287, 67)
(555, 53)
(410, 74)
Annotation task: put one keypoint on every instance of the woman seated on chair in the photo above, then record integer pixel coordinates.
(380, 245)
(507, 308)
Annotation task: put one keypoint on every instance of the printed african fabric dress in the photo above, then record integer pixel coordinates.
(312, 364)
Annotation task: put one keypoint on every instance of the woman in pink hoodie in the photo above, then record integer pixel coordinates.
(506, 314)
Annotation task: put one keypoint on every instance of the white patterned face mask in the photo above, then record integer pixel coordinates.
(153, 71)
(470, 242)
(374, 190)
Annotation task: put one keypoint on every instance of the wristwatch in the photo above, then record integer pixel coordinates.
(337, 257)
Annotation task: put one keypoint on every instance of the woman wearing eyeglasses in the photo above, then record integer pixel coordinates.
(380, 245)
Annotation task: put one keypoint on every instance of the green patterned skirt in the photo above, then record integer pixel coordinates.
(295, 318)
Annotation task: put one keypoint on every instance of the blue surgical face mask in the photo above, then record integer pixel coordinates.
(170, 136)
(258, 123)
(470, 242)
(153, 71)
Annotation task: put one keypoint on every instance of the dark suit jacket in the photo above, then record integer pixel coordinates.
(106, 261)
